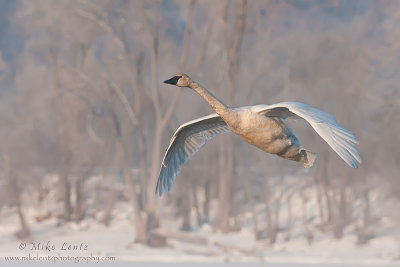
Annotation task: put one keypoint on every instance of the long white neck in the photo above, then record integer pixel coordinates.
(217, 105)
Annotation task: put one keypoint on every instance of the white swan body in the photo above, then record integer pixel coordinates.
(262, 126)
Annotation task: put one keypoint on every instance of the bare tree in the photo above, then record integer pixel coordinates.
(83, 99)
(233, 41)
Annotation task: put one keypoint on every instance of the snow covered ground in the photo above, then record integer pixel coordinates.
(97, 245)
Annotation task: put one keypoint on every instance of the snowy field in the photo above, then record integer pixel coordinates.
(114, 244)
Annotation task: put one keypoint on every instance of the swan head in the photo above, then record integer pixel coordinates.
(180, 79)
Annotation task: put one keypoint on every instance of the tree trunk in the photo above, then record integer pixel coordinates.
(318, 187)
(109, 205)
(225, 182)
(307, 232)
(186, 212)
(140, 139)
(232, 49)
(327, 194)
(197, 206)
(250, 199)
(271, 229)
(289, 218)
(140, 226)
(79, 203)
(62, 135)
(363, 235)
(151, 205)
(341, 214)
(67, 198)
(206, 206)
(24, 232)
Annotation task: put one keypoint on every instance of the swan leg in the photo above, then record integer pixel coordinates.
(298, 154)
(309, 158)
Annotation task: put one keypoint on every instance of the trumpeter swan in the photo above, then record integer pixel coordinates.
(262, 126)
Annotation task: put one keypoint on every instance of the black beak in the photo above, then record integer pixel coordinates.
(173, 80)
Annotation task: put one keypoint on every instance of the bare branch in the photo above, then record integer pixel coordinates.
(103, 25)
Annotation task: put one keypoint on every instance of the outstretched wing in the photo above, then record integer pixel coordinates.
(342, 141)
(186, 141)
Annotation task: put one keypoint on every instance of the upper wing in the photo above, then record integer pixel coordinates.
(340, 139)
(186, 141)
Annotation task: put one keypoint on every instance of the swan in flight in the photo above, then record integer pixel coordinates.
(262, 126)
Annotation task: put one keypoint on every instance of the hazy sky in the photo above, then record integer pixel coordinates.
(329, 14)
(9, 38)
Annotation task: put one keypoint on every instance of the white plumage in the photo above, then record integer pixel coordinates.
(341, 140)
(261, 125)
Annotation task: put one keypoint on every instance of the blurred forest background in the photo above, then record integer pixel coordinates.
(85, 118)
